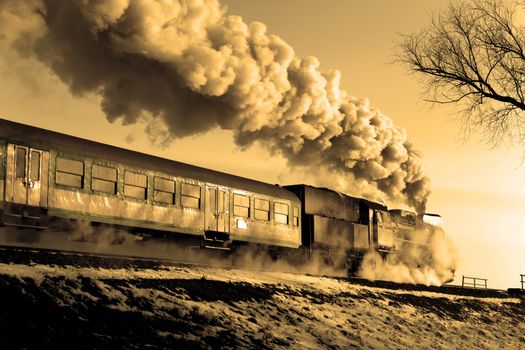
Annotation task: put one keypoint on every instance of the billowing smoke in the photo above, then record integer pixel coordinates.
(424, 256)
(192, 66)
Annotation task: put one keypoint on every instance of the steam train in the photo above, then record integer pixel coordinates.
(46, 175)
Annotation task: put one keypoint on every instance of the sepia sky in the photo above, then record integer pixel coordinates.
(477, 190)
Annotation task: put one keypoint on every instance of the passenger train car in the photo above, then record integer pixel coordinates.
(46, 175)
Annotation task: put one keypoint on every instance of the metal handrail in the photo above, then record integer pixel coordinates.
(522, 281)
(477, 282)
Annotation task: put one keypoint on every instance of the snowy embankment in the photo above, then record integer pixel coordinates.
(80, 302)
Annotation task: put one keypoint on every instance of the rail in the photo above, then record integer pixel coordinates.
(477, 282)
(522, 281)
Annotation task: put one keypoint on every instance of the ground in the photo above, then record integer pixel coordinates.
(74, 301)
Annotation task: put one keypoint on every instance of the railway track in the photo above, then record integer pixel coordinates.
(10, 254)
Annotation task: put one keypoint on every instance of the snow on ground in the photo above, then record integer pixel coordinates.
(133, 305)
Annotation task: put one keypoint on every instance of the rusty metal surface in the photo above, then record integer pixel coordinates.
(327, 203)
(69, 200)
(28, 190)
(340, 234)
(361, 237)
(250, 229)
(100, 206)
(333, 232)
(385, 237)
(217, 213)
(37, 191)
(3, 150)
(385, 234)
(267, 233)
(403, 219)
(85, 203)
(9, 175)
(44, 181)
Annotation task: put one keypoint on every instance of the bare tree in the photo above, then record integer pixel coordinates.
(472, 53)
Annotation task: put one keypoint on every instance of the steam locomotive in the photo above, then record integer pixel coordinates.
(46, 175)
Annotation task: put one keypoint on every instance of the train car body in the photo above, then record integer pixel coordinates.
(46, 174)
(342, 226)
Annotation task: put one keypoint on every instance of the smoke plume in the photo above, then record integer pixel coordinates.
(193, 67)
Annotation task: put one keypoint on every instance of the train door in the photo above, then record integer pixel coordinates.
(372, 228)
(216, 213)
(384, 230)
(26, 180)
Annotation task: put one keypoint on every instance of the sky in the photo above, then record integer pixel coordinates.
(476, 189)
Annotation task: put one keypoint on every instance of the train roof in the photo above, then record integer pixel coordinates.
(45, 139)
(340, 197)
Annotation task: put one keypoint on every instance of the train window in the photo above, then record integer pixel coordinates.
(104, 179)
(241, 205)
(164, 190)
(295, 220)
(190, 196)
(69, 172)
(135, 185)
(20, 162)
(280, 213)
(262, 209)
(35, 166)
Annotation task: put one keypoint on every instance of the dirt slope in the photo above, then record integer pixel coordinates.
(78, 302)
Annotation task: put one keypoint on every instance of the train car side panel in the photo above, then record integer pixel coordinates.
(2, 171)
(103, 205)
(133, 206)
(96, 182)
(328, 203)
(340, 234)
(385, 234)
(263, 220)
(9, 173)
(44, 192)
(160, 214)
(332, 232)
(68, 201)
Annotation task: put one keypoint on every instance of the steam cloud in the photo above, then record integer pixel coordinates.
(424, 256)
(193, 67)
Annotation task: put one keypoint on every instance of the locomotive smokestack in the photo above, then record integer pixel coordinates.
(195, 68)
